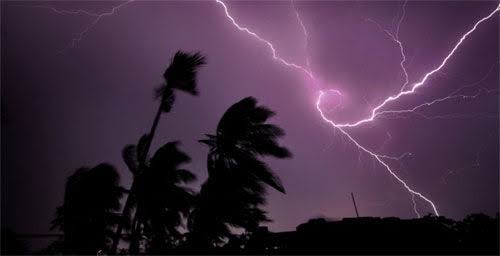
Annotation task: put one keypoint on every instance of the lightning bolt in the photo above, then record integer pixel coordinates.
(375, 111)
(374, 155)
(427, 104)
(63, 11)
(318, 103)
(96, 18)
(306, 37)
(395, 39)
(397, 158)
(452, 96)
(269, 44)
(415, 209)
(416, 85)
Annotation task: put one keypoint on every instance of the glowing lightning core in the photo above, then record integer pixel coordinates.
(374, 155)
(318, 103)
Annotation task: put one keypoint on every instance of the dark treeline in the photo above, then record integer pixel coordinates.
(161, 214)
(476, 234)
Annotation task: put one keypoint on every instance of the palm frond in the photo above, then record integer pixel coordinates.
(236, 187)
(169, 156)
(161, 197)
(91, 201)
(130, 157)
(181, 74)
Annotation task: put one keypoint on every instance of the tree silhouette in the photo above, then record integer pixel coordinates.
(11, 244)
(234, 191)
(180, 75)
(130, 155)
(480, 232)
(162, 200)
(89, 212)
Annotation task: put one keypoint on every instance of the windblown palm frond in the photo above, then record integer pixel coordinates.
(235, 188)
(130, 157)
(181, 74)
(162, 199)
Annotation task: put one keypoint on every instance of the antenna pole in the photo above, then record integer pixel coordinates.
(355, 207)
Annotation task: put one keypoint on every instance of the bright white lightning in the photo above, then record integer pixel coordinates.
(307, 70)
(427, 104)
(374, 155)
(269, 44)
(387, 100)
(452, 96)
(358, 145)
(415, 86)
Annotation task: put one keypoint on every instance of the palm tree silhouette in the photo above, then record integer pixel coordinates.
(234, 191)
(11, 244)
(180, 75)
(162, 199)
(90, 209)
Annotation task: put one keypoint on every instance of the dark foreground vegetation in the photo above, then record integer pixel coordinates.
(476, 234)
(161, 214)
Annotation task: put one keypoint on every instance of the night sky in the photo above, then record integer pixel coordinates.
(65, 106)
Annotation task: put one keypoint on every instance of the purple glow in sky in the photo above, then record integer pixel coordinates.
(407, 114)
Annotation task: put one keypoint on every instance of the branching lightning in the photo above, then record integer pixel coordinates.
(82, 33)
(396, 40)
(376, 112)
(452, 96)
(269, 44)
(374, 155)
(64, 11)
(416, 85)
(96, 18)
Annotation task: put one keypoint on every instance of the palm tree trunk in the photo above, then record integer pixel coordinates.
(128, 203)
(119, 229)
(151, 134)
(133, 248)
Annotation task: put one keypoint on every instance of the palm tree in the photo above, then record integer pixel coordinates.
(90, 209)
(235, 188)
(162, 199)
(180, 75)
(11, 244)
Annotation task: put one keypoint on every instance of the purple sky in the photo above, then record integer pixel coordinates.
(64, 110)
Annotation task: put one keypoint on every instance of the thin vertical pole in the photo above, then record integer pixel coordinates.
(355, 207)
